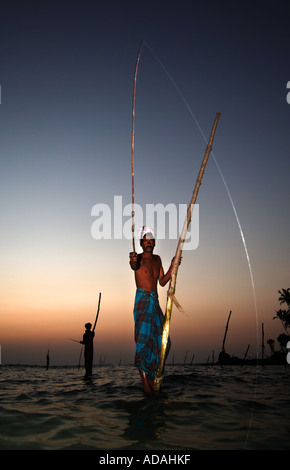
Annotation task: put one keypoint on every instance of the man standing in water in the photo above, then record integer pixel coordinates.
(148, 316)
(88, 341)
(47, 360)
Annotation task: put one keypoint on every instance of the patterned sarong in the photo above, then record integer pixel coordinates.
(149, 321)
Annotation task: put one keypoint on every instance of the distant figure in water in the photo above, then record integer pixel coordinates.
(47, 360)
(224, 358)
(148, 316)
(88, 341)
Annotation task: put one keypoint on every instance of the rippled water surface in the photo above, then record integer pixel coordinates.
(199, 407)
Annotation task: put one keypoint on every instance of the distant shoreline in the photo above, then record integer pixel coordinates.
(235, 362)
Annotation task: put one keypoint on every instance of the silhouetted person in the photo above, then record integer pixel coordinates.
(224, 358)
(88, 341)
(47, 360)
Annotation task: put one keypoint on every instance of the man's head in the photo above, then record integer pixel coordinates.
(88, 326)
(147, 239)
(146, 230)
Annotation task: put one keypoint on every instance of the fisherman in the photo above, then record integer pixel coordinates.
(148, 316)
(88, 338)
(47, 360)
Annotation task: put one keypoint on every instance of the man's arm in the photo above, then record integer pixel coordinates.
(134, 261)
(164, 278)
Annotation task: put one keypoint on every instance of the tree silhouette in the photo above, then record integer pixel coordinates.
(284, 315)
(283, 340)
(284, 296)
(271, 344)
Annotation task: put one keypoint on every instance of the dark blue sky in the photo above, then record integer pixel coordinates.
(66, 76)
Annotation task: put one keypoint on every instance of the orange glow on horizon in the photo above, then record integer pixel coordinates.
(37, 310)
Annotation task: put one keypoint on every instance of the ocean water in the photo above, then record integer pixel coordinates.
(198, 408)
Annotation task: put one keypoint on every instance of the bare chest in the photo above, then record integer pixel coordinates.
(150, 267)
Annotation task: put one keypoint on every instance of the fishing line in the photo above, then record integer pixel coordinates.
(224, 182)
(220, 172)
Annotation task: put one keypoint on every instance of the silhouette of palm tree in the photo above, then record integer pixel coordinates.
(284, 315)
(283, 340)
(284, 296)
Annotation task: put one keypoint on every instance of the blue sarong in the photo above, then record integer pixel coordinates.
(149, 321)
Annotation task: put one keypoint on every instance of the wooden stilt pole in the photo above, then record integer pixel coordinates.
(226, 332)
(263, 345)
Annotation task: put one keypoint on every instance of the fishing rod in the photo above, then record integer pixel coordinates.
(79, 365)
(75, 340)
(133, 139)
(98, 311)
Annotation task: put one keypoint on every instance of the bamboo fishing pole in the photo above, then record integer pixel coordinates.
(133, 142)
(172, 286)
(98, 311)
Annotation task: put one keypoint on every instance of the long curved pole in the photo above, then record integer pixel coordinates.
(173, 278)
(133, 141)
(98, 311)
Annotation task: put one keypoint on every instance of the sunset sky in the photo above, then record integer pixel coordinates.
(66, 76)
